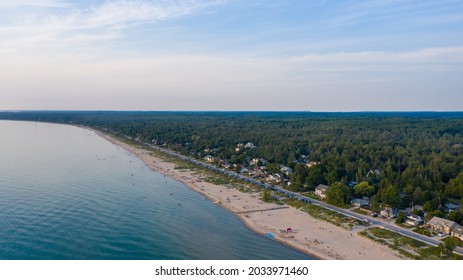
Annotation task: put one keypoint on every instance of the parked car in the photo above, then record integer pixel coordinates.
(441, 234)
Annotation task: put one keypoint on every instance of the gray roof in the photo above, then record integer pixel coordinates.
(436, 221)
(322, 187)
(360, 201)
(457, 229)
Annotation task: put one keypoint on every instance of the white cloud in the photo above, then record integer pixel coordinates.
(71, 25)
(34, 3)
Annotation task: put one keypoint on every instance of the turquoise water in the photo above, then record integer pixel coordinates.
(66, 193)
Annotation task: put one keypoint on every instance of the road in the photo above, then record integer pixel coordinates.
(372, 221)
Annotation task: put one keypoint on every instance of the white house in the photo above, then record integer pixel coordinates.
(249, 145)
(312, 163)
(413, 220)
(209, 158)
(388, 213)
(360, 202)
(321, 190)
(373, 172)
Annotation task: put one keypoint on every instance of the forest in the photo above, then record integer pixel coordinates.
(392, 158)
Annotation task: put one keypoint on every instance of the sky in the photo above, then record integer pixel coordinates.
(219, 55)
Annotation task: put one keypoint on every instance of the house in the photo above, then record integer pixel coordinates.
(255, 161)
(360, 202)
(441, 225)
(457, 232)
(312, 163)
(286, 170)
(373, 172)
(239, 147)
(209, 158)
(388, 213)
(278, 177)
(256, 172)
(271, 178)
(413, 219)
(451, 207)
(249, 145)
(320, 190)
(244, 170)
(415, 207)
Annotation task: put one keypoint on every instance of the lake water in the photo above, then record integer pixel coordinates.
(66, 193)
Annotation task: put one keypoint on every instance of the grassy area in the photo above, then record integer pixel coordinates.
(423, 231)
(294, 203)
(360, 211)
(311, 195)
(455, 241)
(326, 215)
(407, 246)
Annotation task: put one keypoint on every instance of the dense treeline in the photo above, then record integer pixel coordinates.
(419, 154)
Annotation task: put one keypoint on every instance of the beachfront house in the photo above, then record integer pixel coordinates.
(437, 224)
(449, 207)
(209, 158)
(413, 219)
(388, 213)
(457, 232)
(360, 202)
(321, 190)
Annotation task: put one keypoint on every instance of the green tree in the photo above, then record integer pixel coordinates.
(447, 247)
(455, 216)
(337, 194)
(390, 196)
(374, 203)
(400, 218)
(364, 189)
(266, 196)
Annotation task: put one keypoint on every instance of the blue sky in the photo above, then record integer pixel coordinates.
(318, 55)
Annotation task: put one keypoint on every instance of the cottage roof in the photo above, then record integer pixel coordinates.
(440, 222)
(457, 229)
(322, 187)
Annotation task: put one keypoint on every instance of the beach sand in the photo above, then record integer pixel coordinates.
(309, 235)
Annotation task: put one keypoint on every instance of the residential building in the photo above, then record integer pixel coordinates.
(360, 202)
(249, 145)
(388, 213)
(373, 172)
(209, 158)
(413, 219)
(457, 232)
(312, 163)
(320, 190)
(451, 207)
(286, 170)
(441, 225)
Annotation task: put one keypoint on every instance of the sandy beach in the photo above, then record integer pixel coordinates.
(309, 235)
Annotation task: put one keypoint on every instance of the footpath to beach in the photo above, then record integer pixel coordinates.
(309, 235)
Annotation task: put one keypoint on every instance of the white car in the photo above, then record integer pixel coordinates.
(441, 234)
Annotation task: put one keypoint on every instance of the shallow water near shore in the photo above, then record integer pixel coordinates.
(66, 193)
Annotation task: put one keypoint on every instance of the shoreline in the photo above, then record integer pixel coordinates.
(309, 235)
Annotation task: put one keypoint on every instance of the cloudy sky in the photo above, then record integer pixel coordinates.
(318, 55)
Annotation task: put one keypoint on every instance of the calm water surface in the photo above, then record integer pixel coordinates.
(66, 193)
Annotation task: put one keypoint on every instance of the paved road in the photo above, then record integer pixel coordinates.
(372, 221)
